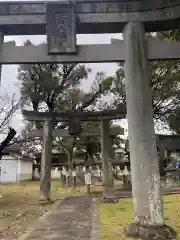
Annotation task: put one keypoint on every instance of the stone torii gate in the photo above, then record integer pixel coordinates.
(85, 132)
(104, 131)
(61, 22)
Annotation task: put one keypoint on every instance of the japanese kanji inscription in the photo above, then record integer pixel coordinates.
(61, 28)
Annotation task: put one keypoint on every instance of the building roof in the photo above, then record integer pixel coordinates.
(15, 148)
(169, 142)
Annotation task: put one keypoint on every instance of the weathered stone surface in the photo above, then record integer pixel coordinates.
(22, 8)
(86, 53)
(93, 6)
(93, 17)
(74, 126)
(61, 28)
(148, 232)
(85, 132)
(110, 199)
(84, 116)
(46, 164)
(106, 152)
(147, 199)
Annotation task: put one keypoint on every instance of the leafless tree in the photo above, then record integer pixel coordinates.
(9, 105)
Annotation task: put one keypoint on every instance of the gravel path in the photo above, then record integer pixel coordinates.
(71, 220)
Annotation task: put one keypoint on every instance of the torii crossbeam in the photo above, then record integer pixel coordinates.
(85, 132)
(115, 52)
(83, 116)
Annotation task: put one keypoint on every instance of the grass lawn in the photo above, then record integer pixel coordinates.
(113, 217)
(19, 207)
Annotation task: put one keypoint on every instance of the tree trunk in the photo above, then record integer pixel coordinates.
(46, 163)
(106, 158)
(147, 199)
(33, 172)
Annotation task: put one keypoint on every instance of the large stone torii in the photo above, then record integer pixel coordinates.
(134, 18)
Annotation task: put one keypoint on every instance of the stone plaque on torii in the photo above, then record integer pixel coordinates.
(134, 18)
(61, 28)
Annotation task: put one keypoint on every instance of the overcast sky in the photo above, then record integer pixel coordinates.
(9, 72)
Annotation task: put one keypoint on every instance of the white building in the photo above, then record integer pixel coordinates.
(55, 173)
(14, 169)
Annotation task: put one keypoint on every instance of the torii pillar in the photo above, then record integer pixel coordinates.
(46, 164)
(106, 150)
(147, 199)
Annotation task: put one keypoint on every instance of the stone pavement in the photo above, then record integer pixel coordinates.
(71, 220)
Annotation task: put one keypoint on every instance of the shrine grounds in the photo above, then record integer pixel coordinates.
(113, 217)
(19, 209)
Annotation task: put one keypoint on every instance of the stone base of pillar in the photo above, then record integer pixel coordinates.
(88, 186)
(63, 180)
(109, 197)
(142, 230)
(126, 183)
(74, 182)
(44, 200)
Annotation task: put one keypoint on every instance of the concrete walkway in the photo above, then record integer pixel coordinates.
(71, 220)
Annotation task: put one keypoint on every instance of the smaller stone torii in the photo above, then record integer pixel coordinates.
(106, 147)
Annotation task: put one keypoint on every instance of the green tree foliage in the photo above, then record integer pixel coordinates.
(58, 87)
(171, 35)
(165, 88)
(164, 82)
(174, 117)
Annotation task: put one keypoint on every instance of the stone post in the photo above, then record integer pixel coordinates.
(46, 163)
(106, 158)
(147, 199)
(73, 168)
